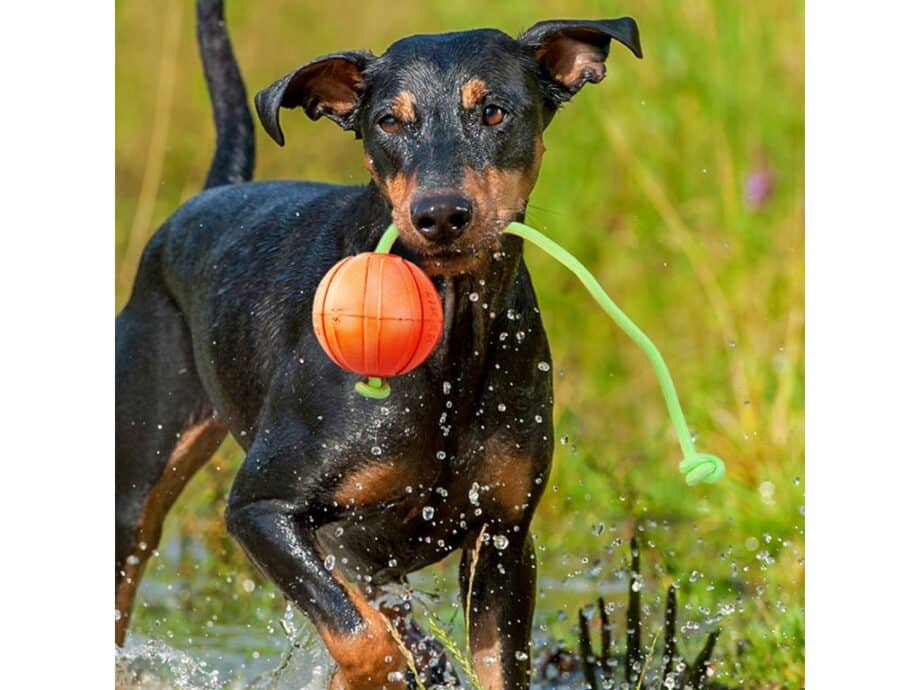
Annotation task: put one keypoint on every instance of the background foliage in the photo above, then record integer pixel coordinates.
(679, 182)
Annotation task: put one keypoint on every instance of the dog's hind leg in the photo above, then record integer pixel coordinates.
(165, 428)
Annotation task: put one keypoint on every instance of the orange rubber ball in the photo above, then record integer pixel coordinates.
(377, 315)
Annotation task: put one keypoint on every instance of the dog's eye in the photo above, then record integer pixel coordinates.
(389, 124)
(492, 115)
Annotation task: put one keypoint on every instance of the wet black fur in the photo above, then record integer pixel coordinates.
(219, 324)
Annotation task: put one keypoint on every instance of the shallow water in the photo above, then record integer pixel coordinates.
(276, 649)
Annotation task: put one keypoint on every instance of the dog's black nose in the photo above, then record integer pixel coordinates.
(442, 218)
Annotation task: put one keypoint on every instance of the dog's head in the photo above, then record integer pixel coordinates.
(452, 123)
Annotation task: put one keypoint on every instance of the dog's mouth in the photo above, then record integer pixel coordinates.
(446, 263)
(467, 254)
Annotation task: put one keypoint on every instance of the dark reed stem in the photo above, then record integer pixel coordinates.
(670, 633)
(587, 656)
(697, 674)
(633, 612)
(605, 635)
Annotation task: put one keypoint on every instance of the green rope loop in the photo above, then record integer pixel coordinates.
(374, 387)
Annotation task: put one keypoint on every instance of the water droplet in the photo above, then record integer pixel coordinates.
(564, 440)
(427, 513)
(502, 407)
(538, 418)
(598, 529)
(440, 455)
(392, 563)
(500, 541)
(329, 563)
(520, 656)
(377, 450)
(446, 387)
(394, 676)
(249, 586)
(474, 494)
(543, 366)
(474, 297)
(732, 344)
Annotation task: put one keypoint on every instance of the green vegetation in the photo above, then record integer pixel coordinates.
(679, 182)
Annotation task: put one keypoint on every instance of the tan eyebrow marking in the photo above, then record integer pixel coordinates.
(404, 106)
(472, 92)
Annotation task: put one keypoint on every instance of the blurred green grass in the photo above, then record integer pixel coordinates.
(645, 180)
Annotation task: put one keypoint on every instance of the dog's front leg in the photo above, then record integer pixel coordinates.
(501, 606)
(275, 508)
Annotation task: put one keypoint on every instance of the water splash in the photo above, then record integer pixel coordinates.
(154, 665)
(306, 665)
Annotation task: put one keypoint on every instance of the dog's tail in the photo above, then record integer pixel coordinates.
(235, 155)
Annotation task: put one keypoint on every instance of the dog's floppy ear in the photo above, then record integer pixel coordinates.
(572, 52)
(329, 86)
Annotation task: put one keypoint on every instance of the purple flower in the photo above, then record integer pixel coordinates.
(758, 187)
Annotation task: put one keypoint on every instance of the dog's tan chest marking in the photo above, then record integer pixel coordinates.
(372, 484)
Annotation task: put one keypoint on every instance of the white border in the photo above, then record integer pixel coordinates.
(57, 62)
(862, 344)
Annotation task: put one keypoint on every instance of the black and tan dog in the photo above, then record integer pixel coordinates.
(217, 339)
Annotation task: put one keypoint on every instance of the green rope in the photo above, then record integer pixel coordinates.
(698, 467)
(387, 240)
(374, 387)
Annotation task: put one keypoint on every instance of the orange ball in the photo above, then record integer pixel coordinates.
(377, 315)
